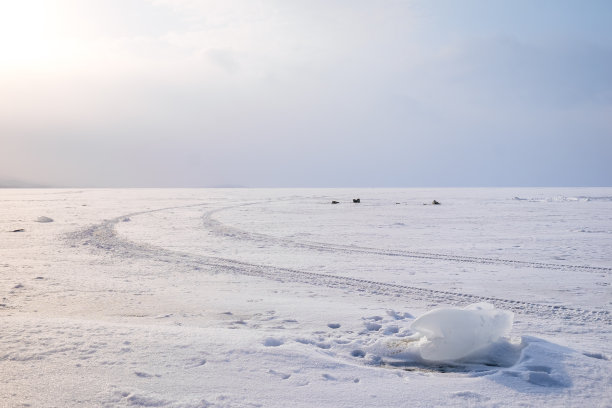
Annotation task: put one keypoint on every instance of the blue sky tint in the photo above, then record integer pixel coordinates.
(188, 93)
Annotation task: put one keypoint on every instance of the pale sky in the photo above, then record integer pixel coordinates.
(311, 93)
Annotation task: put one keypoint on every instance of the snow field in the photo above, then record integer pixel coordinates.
(114, 305)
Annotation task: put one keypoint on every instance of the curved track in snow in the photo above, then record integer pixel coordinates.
(224, 230)
(103, 237)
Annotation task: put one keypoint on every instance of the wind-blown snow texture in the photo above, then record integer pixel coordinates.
(232, 298)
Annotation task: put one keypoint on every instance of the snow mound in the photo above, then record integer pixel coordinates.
(449, 334)
(44, 219)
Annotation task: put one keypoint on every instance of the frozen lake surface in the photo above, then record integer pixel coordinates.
(274, 298)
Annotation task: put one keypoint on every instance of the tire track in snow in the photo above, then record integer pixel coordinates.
(104, 237)
(229, 231)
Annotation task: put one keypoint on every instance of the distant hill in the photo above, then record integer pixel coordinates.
(11, 183)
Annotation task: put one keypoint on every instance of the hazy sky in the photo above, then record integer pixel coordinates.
(310, 93)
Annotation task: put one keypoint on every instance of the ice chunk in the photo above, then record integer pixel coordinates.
(454, 333)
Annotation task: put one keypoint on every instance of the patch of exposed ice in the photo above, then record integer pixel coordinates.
(562, 198)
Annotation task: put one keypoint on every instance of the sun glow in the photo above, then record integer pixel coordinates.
(29, 32)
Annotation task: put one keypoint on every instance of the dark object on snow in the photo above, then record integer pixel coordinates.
(335, 202)
(18, 230)
(434, 202)
(356, 200)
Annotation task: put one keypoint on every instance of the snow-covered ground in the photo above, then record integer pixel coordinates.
(274, 298)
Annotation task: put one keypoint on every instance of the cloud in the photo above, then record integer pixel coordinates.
(281, 93)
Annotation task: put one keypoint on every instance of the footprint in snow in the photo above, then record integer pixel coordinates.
(599, 356)
(196, 362)
(399, 316)
(469, 395)
(272, 342)
(278, 374)
(371, 326)
(393, 329)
